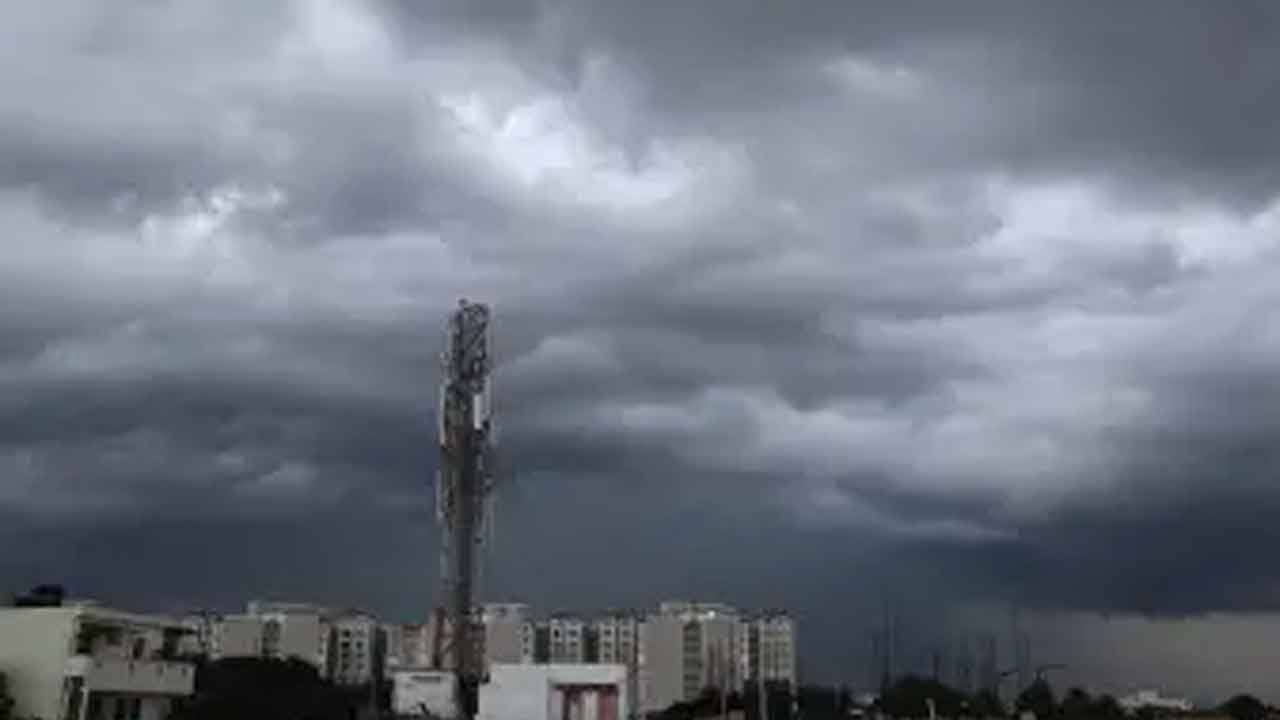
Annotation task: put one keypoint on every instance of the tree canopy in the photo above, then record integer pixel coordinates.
(1244, 707)
(909, 696)
(262, 689)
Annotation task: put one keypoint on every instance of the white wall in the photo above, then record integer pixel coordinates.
(35, 644)
(525, 692)
(411, 689)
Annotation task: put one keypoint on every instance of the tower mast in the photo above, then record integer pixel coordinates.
(464, 482)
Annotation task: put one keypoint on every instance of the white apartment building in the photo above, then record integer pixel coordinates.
(295, 630)
(567, 640)
(503, 632)
(236, 636)
(686, 647)
(767, 649)
(357, 648)
(87, 662)
(617, 639)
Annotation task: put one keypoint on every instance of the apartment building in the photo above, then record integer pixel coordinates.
(358, 648)
(83, 661)
(237, 636)
(767, 649)
(686, 647)
(503, 632)
(617, 638)
(295, 630)
(568, 639)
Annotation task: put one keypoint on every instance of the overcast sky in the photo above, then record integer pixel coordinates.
(807, 304)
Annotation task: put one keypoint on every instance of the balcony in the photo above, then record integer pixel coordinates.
(144, 677)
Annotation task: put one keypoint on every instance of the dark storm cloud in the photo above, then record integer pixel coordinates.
(965, 302)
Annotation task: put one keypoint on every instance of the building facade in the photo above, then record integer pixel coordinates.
(295, 630)
(358, 648)
(686, 647)
(568, 640)
(503, 632)
(767, 649)
(86, 662)
(617, 638)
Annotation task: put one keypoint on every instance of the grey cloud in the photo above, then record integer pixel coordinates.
(963, 303)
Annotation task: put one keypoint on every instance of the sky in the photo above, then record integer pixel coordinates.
(828, 305)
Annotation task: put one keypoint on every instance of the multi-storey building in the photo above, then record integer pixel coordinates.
(503, 632)
(535, 642)
(236, 636)
(767, 650)
(686, 647)
(87, 662)
(358, 648)
(617, 638)
(568, 636)
(295, 630)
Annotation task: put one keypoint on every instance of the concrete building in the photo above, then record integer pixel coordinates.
(555, 692)
(686, 647)
(419, 692)
(617, 637)
(535, 642)
(568, 640)
(1153, 699)
(766, 647)
(295, 630)
(236, 636)
(358, 648)
(503, 632)
(87, 662)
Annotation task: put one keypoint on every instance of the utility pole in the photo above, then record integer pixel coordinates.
(464, 482)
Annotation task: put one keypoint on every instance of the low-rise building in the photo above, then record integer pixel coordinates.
(553, 692)
(1153, 699)
(87, 662)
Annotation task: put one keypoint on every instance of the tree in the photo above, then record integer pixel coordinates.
(1105, 707)
(909, 696)
(987, 704)
(6, 700)
(1244, 707)
(263, 689)
(1037, 698)
(1077, 705)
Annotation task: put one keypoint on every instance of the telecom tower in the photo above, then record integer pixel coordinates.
(464, 484)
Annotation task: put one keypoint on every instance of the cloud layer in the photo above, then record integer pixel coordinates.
(881, 292)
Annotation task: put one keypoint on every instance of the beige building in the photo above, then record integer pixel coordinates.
(87, 662)
(567, 640)
(503, 623)
(686, 647)
(357, 648)
(617, 637)
(767, 649)
(236, 636)
(295, 630)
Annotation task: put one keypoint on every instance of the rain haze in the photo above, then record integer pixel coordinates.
(808, 305)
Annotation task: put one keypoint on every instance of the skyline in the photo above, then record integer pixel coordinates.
(799, 306)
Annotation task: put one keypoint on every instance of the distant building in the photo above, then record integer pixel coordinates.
(1153, 699)
(686, 647)
(358, 648)
(84, 660)
(551, 692)
(237, 636)
(568, 635)
(617, 637)
(767, 649)
(503, 632)
(295, 630)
